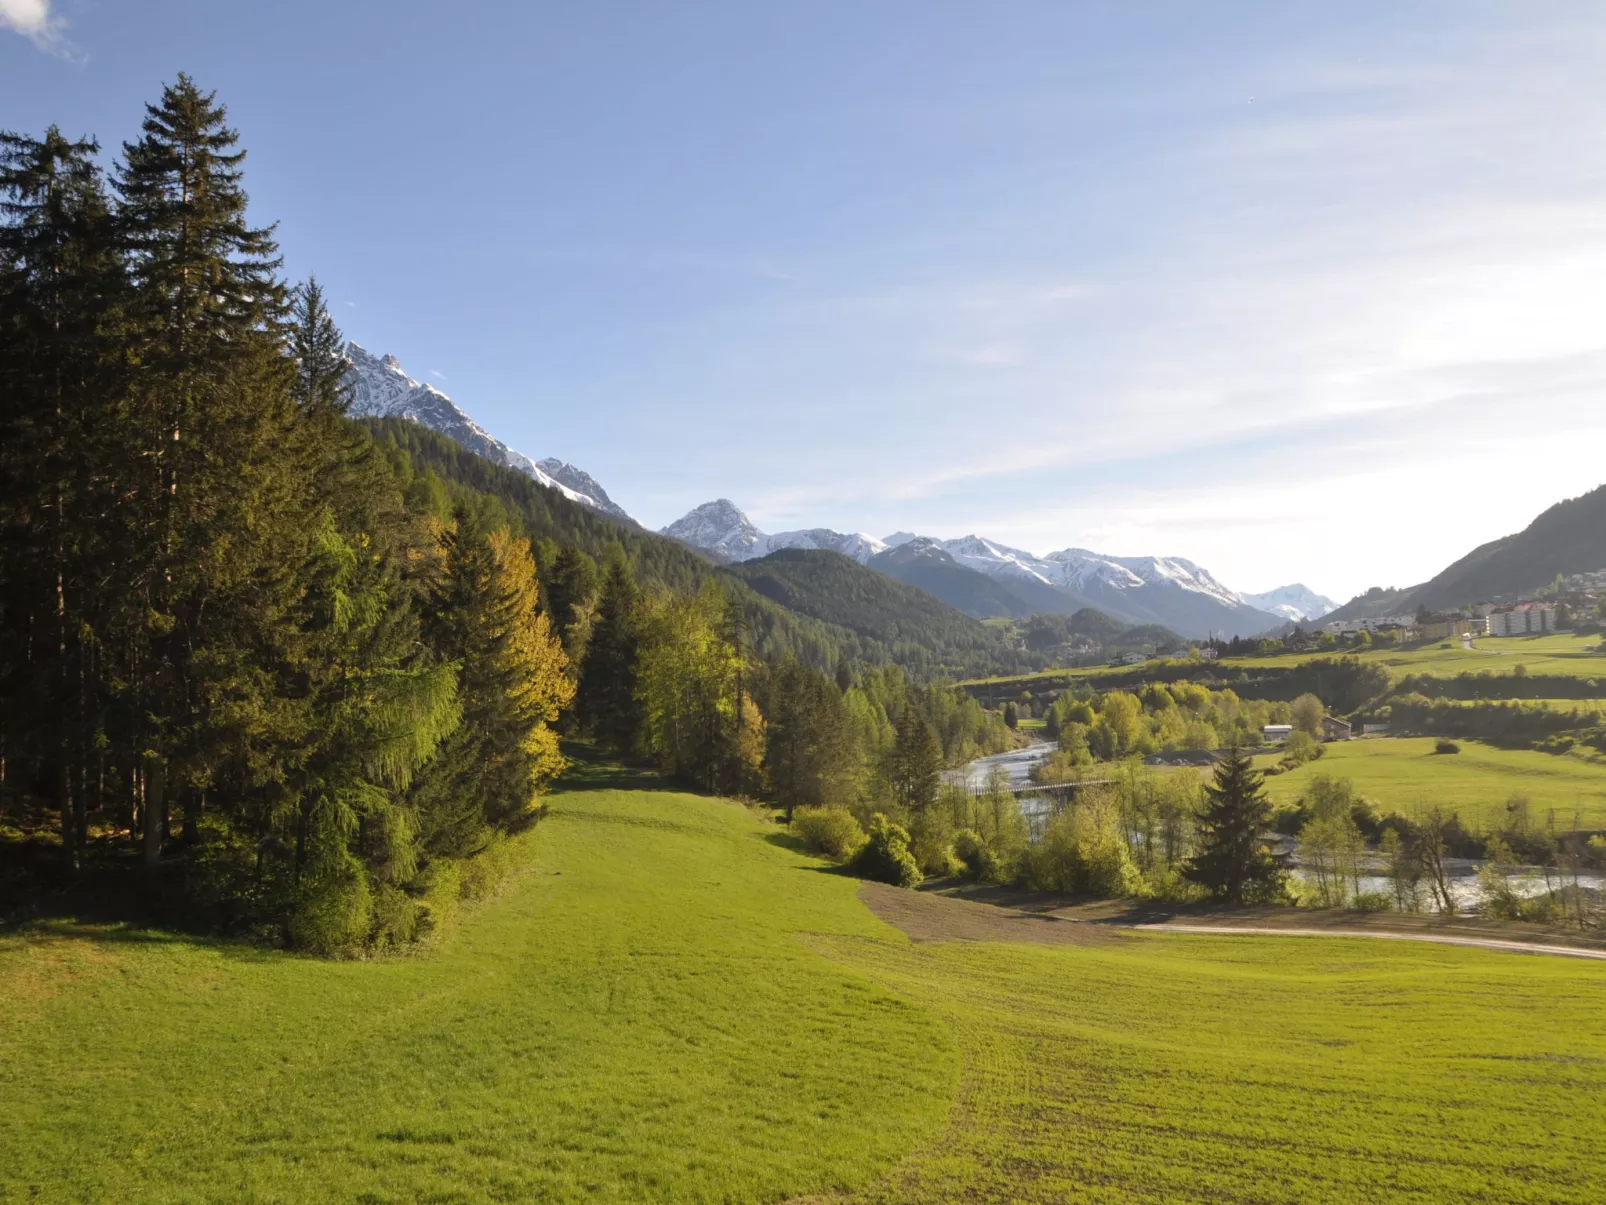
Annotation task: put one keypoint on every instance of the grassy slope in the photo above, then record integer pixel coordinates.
(668, 1006)
(1403, 774)
(635, 1018)
(1258, 1070)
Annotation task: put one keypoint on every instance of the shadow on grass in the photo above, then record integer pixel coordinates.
(787, 841)
(793, 845)
(590, 769)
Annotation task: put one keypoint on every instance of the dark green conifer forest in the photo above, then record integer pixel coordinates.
(267, 670)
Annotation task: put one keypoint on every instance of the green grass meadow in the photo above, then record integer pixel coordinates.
(634, 1019)
(1405, 774)
(1560, 653)
(1193, 1068)
(668, 1003)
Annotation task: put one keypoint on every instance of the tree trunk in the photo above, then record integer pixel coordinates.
(155, 810)
(61, 784)
(192, 816)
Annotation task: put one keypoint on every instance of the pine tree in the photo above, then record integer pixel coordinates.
(571, 590)
(607, 704)
(60, 293)
(319, 350)
(215, 510)
(807, 754)
(914, 767)
(1233, 862)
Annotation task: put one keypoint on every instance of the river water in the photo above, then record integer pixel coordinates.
(1462, 873)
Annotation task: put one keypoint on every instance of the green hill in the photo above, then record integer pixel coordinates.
(1568, 538)
(837, 590)
(921, 563)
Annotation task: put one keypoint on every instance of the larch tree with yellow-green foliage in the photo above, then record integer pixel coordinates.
(483, 613)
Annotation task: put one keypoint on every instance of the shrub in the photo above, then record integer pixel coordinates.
(1289, 819)
(1446, 747)
(1373, 901)
(976, 858)
(1162, 882)
(1084, 853)
(885, 856)
(829, 831)
(478, 878)
(335, 915)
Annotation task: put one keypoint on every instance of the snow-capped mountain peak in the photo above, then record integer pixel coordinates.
(582, 483)
(380, 388)
(720, 526)
(1297, 602)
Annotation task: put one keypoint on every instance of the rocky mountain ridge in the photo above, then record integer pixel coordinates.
(380, 388)
(1170, 591)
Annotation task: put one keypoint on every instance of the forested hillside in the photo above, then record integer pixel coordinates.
(916, 628)
(1568, 538)
(820, 607)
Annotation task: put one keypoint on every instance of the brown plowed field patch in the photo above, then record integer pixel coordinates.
(925, 917)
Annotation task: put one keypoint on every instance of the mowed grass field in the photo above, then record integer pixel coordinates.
(1266, 1070)
(1562, 654)
(670, 1004)
(1405, 774)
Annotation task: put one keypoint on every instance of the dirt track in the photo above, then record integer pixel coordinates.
(1481, 943)
(929, 916)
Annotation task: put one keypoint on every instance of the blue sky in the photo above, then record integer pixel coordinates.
(1301, 292)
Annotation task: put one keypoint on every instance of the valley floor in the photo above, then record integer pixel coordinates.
(671, 1003)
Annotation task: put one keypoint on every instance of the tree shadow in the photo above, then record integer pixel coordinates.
(786, 841)
(590, 769)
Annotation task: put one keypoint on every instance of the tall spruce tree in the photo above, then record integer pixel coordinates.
(607, 703)
(914, 766)
(807, 755)
(1233, 862)
(319, 350)
(571, 590)
(215, 515)
(60, 295)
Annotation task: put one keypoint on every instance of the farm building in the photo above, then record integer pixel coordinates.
(1277, 733)
(1335, 729)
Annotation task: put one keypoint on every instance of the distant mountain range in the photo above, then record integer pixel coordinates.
(1568, 538)
(986, 578)
(980, 577)
(380, 389)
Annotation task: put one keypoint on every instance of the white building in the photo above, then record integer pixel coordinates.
(1276, 733)
(1524, 619)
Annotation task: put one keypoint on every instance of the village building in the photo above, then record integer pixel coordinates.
(1524, 619)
